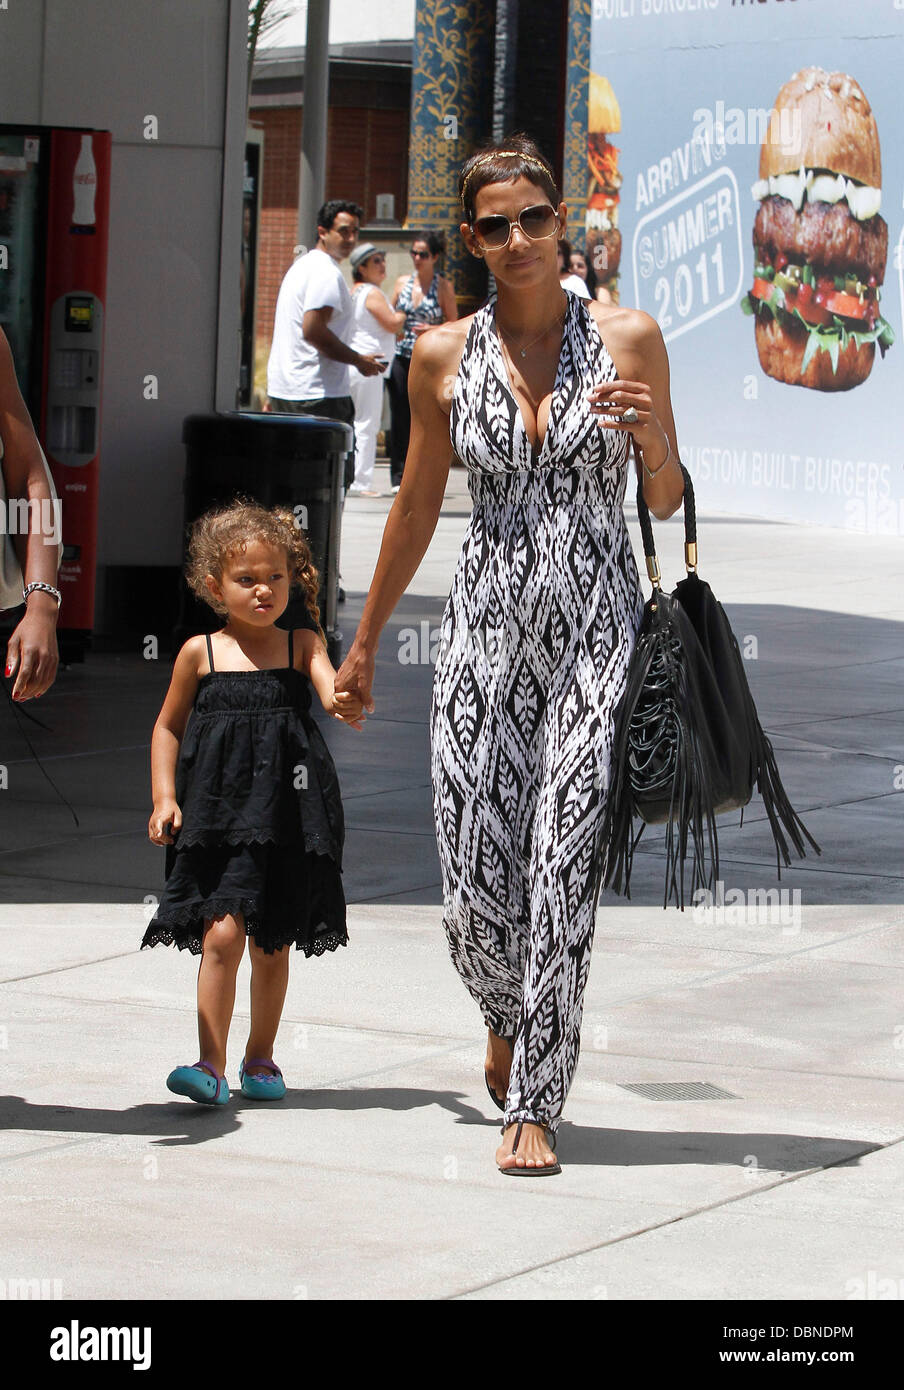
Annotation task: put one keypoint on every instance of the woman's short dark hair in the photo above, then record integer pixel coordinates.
(565, 252)
(436, 241)
(490, 165)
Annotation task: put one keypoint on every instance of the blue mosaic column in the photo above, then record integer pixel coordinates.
(575, 174)
(451, 112)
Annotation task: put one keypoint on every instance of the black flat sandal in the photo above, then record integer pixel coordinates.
(499, 1104)
(536, 1172)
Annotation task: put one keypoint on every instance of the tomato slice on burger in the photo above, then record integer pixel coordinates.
(762, 289)
(847, 305)
(807, 307)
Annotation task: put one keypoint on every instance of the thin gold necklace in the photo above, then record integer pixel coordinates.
(560, 319)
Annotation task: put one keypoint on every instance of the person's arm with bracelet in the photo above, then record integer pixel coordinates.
(32, 653)
(636, 341)
(317, 332)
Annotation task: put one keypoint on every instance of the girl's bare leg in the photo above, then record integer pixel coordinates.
(223, 944)
(269, 981)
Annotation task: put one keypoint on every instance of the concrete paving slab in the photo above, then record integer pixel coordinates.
(378, 1167)
(758, 1247)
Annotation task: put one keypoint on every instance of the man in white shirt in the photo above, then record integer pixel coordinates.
(307, 373)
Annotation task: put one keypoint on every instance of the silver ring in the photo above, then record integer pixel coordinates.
(630, 416)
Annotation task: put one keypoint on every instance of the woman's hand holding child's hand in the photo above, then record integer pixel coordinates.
(163, 812)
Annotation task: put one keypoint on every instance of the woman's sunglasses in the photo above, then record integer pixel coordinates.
(537, 223)
(421, 255)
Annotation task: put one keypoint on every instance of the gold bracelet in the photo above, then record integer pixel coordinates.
(652, 473)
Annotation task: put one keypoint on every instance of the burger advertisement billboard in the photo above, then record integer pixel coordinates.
(753, 207)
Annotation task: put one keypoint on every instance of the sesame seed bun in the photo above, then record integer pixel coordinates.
(827, 124)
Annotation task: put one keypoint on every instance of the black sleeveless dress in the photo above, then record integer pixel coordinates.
(262, 822)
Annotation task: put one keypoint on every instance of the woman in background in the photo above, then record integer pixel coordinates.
(426, 297)
(567, 277)
(376, 328)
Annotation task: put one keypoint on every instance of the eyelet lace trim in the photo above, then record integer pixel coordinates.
(180, 929)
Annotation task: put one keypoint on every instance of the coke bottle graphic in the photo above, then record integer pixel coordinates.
(84, 187)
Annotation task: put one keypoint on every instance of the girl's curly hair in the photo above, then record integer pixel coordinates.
(226, 530)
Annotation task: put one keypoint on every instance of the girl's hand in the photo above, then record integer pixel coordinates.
(611, 399)
(348, 707)
(164, 811)
(32, 649)
(356, 674)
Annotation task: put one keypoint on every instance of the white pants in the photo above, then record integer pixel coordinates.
(367, 394)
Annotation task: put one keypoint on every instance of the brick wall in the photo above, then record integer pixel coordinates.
(367, 154)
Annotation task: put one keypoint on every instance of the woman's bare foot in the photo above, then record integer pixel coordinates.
(498, 1064)
(533, 1148)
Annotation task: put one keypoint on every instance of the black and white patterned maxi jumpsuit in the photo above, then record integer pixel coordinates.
(535, 642)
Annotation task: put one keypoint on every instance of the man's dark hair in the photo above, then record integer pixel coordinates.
(330, 211)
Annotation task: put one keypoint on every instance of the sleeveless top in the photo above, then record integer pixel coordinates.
(576, 478)
(428, 311)
(577, 462)
(253, 766)
(369, 335)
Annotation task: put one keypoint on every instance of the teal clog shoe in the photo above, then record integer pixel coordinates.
(200, 1083)
(261, 1085)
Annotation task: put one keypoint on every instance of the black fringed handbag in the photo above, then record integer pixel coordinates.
(688, 744)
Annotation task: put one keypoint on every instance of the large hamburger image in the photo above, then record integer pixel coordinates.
(601, 222)
(820, 246)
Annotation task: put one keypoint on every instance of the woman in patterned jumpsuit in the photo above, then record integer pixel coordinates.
(537, 633)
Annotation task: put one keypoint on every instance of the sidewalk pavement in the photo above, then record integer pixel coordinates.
(735, 1126)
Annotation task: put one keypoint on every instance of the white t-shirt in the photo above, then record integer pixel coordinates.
(296, 370)
(368, 334)
(577, 286)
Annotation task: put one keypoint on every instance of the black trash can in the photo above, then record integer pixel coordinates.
(279, 460)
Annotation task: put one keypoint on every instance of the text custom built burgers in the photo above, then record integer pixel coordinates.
(820, 246)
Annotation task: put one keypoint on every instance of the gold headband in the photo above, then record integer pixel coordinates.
(499, 154)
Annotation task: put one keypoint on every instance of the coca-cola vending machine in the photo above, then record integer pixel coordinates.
(54, 212)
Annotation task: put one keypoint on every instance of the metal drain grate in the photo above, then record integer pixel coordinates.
(678, 1090)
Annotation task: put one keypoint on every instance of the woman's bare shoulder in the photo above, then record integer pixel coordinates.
(440, 347)
(622, 326)
(435, 361)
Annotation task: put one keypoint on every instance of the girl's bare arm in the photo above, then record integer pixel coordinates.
(316, 665)
(167, 737)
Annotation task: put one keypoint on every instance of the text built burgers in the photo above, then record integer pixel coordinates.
(820, 246)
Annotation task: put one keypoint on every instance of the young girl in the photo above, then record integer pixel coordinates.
(247, 800)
